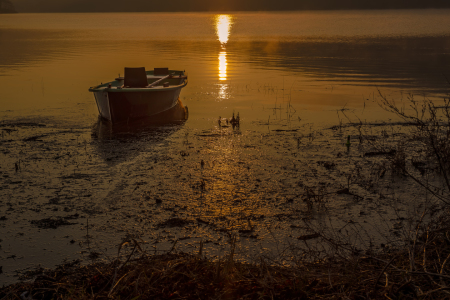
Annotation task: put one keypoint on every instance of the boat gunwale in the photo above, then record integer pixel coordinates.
(175, 74)
(103, 88)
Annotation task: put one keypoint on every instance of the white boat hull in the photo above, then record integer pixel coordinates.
(122, 106)
(159, 93)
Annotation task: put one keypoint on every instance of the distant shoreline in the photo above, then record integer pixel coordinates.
(223, 6)
(263, 10)
(226, 11)
(6, 7)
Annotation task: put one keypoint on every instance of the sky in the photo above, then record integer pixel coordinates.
(215, 5)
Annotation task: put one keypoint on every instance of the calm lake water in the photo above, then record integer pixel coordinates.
(279, 71)
(322, 59)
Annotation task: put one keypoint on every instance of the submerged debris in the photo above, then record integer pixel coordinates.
(174, 222)
(376, 153)
(76, 176)
(308, 237)
(51, 222)
(327, 164)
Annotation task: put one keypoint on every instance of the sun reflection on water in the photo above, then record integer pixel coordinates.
(223, 26)
(223, 65)
(223, 91)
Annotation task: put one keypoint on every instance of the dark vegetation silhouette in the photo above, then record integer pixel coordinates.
(218, 5)
(6, 7)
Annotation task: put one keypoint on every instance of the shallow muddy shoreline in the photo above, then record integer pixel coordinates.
(69, 193)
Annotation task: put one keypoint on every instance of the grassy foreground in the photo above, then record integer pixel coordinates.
(419, 271)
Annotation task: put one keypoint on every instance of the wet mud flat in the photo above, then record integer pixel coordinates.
(276, 188)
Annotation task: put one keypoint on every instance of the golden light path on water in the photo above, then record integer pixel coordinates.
(223, 65)
(223, 27)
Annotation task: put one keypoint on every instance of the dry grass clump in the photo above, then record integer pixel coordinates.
(167, 276)
(418, 271)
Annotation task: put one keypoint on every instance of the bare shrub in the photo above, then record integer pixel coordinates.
(431, 127)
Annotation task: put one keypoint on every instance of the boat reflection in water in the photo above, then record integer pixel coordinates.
(104, 130)
(122, 141)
